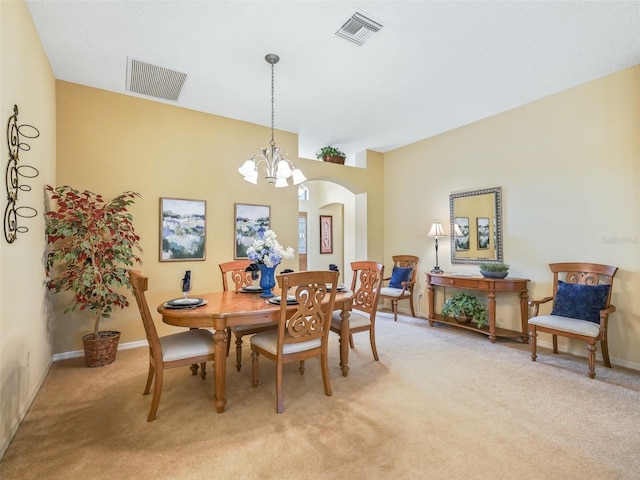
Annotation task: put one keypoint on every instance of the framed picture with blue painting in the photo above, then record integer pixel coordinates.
(249, 219)
(182, 229)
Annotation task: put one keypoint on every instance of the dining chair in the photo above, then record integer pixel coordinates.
(366, 283)
(169, 351)
(303, 330)
(581, 307)
(401, 282)
(235, 276)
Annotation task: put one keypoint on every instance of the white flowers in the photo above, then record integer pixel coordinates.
(266, 249)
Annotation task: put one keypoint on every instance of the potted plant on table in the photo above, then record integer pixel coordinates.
(267, 253)
(494, 270)
(464, 308)
(91, 241)
(331, 154)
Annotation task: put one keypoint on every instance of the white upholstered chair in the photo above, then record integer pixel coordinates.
(401, 282)
(303, 330)
(581, 308)
(177, 350)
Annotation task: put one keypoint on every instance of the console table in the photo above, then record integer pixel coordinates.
(491, 286)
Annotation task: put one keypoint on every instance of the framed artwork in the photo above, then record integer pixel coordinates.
(182, 229)
(462, 241)
(482, 224)
(326, 234)
(249, 221)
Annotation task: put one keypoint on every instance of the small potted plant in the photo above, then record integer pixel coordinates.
(464, 307)
(331, 154)
(91, 242)
(494, 270)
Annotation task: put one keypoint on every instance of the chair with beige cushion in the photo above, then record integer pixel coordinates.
(177, 350)
(365, 285)
(581, 307)
(235, 276)
(401, 282)
(302, 331)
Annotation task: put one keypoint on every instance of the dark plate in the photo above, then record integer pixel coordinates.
(291, 300)
(251, 289)
(339, 288)
(175, 305)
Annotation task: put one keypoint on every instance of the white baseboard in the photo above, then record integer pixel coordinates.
(80, 353)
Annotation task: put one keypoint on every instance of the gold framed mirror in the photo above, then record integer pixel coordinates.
(476, 226)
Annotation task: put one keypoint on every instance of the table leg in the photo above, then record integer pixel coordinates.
(492, 317)
(220, 368)
(431, 303)
(344, 342)
(524, 314)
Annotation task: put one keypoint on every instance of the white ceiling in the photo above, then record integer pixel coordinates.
(434, 66)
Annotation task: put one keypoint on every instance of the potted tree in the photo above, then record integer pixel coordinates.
(331, 154)
(91, 241)
(464, 308)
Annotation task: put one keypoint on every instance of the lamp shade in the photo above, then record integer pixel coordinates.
(436, 230)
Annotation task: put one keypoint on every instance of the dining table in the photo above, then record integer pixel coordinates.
(230, 308)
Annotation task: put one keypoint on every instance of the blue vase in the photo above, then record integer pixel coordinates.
(267, 280)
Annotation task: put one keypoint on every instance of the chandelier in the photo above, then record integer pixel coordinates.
(277, 168)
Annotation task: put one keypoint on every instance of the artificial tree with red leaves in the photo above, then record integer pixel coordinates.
(91, 242)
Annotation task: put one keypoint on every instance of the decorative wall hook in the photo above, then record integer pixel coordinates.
(14, 172)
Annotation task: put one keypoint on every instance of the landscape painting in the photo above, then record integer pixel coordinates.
(250, 219)
(182, 229)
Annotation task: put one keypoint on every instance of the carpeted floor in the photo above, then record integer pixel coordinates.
(442, 403)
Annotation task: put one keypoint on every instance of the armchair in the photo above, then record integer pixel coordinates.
(401, 282)
(581, 307)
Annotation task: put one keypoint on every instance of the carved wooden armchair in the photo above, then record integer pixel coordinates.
(581, 308)
(401, 282)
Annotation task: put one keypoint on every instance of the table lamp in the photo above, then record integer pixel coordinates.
(436, 232)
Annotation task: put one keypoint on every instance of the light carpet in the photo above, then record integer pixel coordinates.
(441, 403)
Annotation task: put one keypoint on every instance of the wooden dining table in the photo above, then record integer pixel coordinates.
(226, 309)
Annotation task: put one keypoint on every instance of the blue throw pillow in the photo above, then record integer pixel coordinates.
(399, 275)
(583, 302)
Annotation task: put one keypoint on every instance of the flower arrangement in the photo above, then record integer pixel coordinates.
(266, 249)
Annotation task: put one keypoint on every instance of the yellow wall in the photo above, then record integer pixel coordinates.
(25, 330)
(109, 143)
(569, 168)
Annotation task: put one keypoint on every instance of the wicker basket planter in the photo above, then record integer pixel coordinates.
(101, 351)
(334, 159)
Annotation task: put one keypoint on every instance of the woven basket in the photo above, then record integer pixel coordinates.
(101, 351)
(334, 159)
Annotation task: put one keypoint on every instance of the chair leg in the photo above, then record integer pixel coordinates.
(533, 336)
(228, 340)
(592, 358)
(238, 351)
(301, 367)
(155, 401)
(279, 400)
(555, 344)
(203, 370)
(413, 312)
(394, 307)
(372, 339)
(152, 372)
(254, 368)
(351, 344)
(324, 366)
(605, 351)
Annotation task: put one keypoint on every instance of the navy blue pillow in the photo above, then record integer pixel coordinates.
(583, 302)
(399, 275)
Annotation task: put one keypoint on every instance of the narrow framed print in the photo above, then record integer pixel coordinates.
(182, 229)
(326, 234)
(462, 241)
(249, 221)
(482, 224)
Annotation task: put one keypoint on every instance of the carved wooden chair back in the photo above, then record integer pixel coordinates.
(234, 274)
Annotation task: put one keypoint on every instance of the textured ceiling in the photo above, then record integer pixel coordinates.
(434, 66)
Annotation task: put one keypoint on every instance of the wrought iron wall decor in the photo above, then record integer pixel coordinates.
(15, 136)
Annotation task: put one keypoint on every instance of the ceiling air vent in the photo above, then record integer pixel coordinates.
(154, 81)
(358, 29)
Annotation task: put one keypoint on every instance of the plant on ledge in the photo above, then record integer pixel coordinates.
(329, 151)
(495, 267)
(461, 305)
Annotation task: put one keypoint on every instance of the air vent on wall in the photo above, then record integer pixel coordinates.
(154, 81)
(358, 29)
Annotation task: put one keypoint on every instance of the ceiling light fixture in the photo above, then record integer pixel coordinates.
(277, 168)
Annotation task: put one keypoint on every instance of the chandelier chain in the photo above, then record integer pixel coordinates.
(273, 143)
